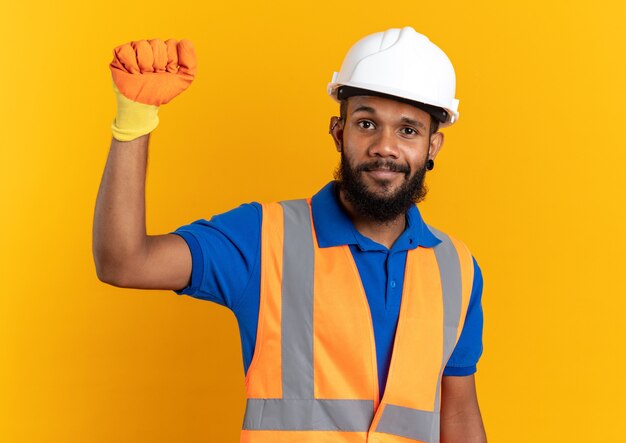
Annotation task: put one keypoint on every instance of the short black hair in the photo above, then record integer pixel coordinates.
(343, 110)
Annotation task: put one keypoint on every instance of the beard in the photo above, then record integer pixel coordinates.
(374, 206)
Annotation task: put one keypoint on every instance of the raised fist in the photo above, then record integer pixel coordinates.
(153, 72)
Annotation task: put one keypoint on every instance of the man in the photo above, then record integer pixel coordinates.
(358, 321)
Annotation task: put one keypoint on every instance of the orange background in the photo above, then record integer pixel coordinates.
(531, 179)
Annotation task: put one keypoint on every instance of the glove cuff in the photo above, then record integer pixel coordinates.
(133, 119)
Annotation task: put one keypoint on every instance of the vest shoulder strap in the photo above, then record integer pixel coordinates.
(454, 257)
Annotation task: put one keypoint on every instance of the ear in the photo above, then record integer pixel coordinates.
(335, 129)
(436, 142)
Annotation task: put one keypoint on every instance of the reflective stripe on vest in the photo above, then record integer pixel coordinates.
(313, 377)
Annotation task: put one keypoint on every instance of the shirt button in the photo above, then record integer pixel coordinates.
(392, 284)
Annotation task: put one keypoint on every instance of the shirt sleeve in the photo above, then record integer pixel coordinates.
(224, 254)
(469, 348)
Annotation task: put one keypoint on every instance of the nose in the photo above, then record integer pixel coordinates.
(385, 144)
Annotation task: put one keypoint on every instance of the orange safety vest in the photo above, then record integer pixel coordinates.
(313, 377)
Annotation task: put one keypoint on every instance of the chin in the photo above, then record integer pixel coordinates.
(388, 186)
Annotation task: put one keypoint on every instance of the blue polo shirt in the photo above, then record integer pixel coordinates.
(226, 254)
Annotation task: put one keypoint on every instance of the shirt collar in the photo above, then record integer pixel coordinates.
(334, 227)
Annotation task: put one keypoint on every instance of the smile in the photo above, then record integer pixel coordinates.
(383, 174)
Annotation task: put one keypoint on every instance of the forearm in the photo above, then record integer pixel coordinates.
(119, 227)
(461, 421)
(465, 427)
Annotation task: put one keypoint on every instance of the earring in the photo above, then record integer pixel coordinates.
(430, 164)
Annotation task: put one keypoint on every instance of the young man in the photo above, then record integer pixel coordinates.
(358, 321)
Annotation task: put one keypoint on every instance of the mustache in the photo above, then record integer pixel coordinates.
(382, 164)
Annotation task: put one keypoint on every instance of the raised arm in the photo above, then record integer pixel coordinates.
(124, 255)
(146, 74)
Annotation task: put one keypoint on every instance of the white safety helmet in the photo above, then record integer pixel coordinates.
(401, 64)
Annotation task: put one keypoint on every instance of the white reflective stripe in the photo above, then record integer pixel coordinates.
(450, 272)
(410, 423)
(297, 301)
(308, 415)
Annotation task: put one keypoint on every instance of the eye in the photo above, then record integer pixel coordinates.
(365, 124)
(409, 131)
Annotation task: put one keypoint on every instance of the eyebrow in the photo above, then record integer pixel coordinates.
(410, 121)
(364, 108)
(404, 118)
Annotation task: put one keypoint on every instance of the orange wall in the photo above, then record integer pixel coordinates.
(531, 178)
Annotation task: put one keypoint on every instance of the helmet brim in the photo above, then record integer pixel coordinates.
(438, 113)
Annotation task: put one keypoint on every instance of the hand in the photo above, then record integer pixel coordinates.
(147, 74)
(153, 72)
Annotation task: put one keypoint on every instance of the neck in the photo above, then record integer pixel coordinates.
(385, 233)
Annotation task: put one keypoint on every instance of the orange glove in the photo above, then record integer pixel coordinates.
(147, 74)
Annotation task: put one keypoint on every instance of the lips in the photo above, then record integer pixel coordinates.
(383, 173)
